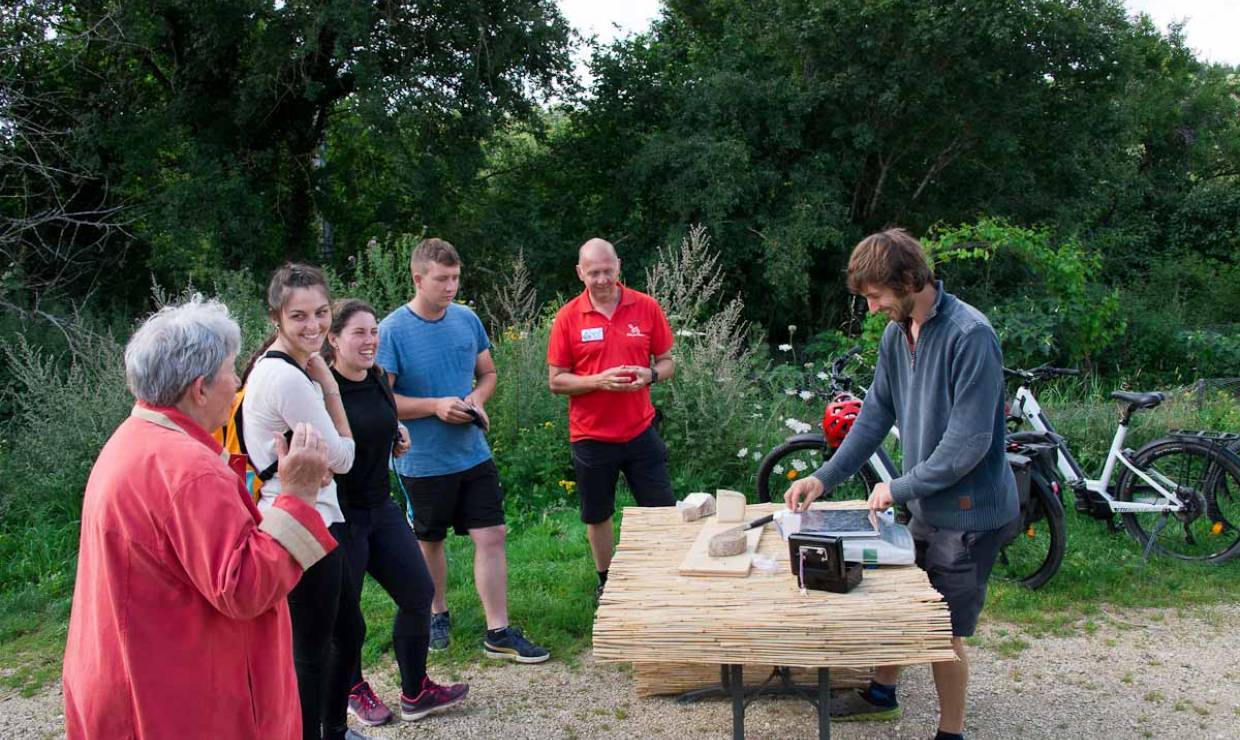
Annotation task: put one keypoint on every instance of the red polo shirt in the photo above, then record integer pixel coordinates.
(587, 342)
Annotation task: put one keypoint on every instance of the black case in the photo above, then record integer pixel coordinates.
(824, 565)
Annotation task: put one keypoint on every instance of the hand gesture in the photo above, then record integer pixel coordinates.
(302, 463)
(803, 493)
(478, 409)
(453, 410)
(316, 368)
(402, 441)
(621, 378)
(880, 497)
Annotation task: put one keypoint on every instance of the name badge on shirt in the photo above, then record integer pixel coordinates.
(592, 335)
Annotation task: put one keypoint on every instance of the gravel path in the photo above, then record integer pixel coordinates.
(1140, 673)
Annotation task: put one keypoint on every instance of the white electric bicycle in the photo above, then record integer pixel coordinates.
(1178, 495)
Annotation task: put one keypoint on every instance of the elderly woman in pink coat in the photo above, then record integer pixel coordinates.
(180, 626)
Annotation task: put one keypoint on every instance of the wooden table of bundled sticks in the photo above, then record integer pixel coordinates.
(681, 632)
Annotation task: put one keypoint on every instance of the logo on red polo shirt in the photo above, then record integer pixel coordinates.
(635, 331)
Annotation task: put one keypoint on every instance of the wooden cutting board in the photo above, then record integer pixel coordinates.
(698, 563)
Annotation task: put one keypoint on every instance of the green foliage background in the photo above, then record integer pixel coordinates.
(1072, 171)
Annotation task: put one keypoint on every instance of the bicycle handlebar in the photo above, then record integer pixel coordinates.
(1042, 372)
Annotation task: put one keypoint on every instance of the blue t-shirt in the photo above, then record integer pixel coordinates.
(433, 359)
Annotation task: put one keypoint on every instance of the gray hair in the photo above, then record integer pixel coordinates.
(177, 345)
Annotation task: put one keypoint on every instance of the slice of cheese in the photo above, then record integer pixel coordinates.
(729, 505)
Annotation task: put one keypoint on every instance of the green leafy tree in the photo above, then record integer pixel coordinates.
(207, 120)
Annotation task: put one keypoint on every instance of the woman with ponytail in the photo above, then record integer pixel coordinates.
(288, 383)
(378, 539)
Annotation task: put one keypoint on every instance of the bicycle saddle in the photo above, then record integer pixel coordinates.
(1139, 400)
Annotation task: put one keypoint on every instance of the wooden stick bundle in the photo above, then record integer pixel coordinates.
(651, 614)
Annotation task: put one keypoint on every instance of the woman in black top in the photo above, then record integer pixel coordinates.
(379, 539)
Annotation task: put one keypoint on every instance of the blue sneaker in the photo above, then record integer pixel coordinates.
(441, 627)
(514, 646)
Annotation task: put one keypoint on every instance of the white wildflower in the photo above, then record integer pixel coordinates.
(757, 455)
(799, 465)
(792, 328)
(742, 452)
(822, 375)
(790, 391)
(813, 453)
(806, 395)
(785, 348)
(779, 470)
(797, 426)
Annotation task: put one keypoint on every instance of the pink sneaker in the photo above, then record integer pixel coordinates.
(433, 698)
(367, 707)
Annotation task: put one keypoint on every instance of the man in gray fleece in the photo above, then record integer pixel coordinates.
(940, 379)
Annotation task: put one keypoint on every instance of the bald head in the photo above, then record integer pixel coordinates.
(596, 249)
(599, 269)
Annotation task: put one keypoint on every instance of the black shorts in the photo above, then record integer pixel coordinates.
(470, 499)
(643, 460)
(959, 564)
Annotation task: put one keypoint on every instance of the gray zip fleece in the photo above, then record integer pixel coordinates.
(946, 395)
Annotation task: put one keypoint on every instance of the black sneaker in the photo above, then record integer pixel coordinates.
(853, 706)
(514, 646)
(441, 627)
(433, 698)
(598, 595)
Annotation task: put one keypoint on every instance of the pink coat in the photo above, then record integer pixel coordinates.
(180, 627)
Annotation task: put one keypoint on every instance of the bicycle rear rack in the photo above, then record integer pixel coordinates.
(1224, 440)
(1206, 435)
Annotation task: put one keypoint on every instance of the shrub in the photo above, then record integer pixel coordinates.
(1059, 312)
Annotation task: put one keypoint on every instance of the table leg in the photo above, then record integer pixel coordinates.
(824, 704)
(737, 685)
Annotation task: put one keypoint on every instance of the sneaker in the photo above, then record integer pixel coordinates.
(433, 698)
(514, 646)
(367, 707)
(441, 626)
(853, 706)
(598, 595)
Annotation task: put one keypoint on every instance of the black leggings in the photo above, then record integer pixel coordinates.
(313, 605)
(379, 541)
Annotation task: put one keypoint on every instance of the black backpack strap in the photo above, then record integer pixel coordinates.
(268, 472)
(287, 358)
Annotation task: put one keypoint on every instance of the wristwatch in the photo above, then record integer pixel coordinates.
(654, 375)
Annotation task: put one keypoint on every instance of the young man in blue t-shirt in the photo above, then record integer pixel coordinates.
(438, 360)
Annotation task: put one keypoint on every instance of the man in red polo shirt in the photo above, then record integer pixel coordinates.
(600, 355)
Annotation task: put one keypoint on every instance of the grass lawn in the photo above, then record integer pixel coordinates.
(1102, 568)
(551, 584)
(552, 581)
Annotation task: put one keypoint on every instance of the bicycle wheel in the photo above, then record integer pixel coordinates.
(1035, 554)
(1206, 479)
(798, 458)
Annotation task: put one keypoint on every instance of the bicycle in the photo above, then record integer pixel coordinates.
(1178, 495)
(1030, 559)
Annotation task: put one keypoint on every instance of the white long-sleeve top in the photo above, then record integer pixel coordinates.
(278, 396)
